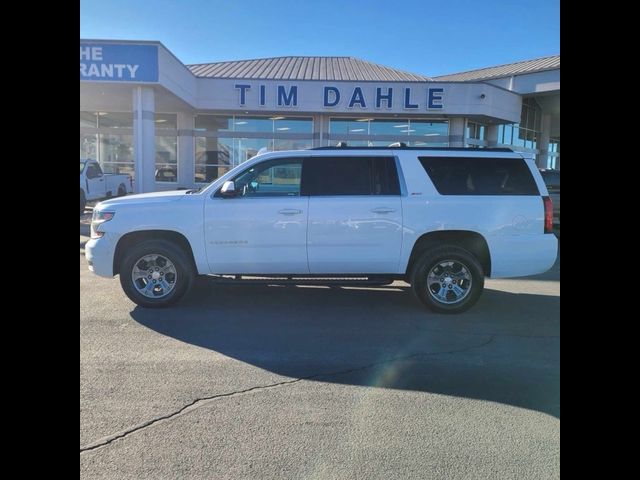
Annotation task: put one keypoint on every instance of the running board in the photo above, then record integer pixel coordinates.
(302, 280)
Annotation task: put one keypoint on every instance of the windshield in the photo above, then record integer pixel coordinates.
(82, 164)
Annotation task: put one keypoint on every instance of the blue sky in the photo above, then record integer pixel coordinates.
(420, 36)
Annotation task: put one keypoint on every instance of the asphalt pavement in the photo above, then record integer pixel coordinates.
(267, 381)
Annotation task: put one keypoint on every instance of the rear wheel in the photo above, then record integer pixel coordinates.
(448, 279)
(156, 273)
(122, 190)
(83, 202)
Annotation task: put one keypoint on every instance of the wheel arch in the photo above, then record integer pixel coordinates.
(469, 240)
(136, 237)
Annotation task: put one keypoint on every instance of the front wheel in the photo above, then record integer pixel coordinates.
(448, 279)
(156, 274)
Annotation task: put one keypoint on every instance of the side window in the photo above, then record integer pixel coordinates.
(551, 179)
(324, 176)
(480, 176)
(93, 171)
(273, 178)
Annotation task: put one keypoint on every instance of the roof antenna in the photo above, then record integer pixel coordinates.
(398, 145)
(341, 144)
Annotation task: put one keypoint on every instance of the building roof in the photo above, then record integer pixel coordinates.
(304, 68)
(517, 68)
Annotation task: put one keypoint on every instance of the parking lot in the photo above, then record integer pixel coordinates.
(267, 381)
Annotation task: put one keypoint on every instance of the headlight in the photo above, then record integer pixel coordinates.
(99, 217)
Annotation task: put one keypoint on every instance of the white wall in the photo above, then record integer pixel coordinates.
(526, 83)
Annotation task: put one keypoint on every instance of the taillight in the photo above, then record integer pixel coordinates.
(548, 214)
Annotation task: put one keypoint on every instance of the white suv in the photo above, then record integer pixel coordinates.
(440, 219)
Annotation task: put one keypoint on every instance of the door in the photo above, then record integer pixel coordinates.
(263, 229)
(355, 214)
(95, 182)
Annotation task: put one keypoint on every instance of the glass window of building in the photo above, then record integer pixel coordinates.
(213, 158)
(214, 123)
(166, 121)
(553, 159)
(116, 153)
(98, 141)
(349, 125)
(351, 130)
(380, 126)
(89, 119)
(429, 128)
(475, 134)
(166, 159)
(523, 135)
(166, 144)
(88, 146)
(292, 125)
(253, 124)
(301, 144)
(115, 119)
(216, 155)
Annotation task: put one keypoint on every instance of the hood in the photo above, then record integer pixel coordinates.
(144, 198)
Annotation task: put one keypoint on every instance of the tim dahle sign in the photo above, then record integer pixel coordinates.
(352, 97)
(118, 63)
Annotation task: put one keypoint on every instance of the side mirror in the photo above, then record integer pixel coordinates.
(228, 189)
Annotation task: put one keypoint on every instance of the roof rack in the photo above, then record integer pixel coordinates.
(395, 146)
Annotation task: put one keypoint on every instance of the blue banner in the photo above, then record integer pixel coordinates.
(118, 63)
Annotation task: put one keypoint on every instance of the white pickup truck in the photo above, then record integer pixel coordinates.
(440, 219)
(96, 185)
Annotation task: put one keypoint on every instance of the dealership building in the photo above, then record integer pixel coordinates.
(170, 125)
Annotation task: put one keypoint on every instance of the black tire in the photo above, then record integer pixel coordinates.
(122, 190)
(83, 202)
(185, 272)
(461, 258)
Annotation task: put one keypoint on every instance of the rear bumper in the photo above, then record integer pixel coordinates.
(99, 254)
(522, 255)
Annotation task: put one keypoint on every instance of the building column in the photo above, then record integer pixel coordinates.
(492, 135)
(457, 126)
(186, 149)
(542, 144)
(318, 131)
(144, 141)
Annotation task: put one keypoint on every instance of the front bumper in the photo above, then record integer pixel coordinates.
(99, 253)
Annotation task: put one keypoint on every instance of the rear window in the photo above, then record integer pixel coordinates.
(480, 176)
(350, 176)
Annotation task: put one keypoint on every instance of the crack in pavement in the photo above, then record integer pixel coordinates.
(202, 400)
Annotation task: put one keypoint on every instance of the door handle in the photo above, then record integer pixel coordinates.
(289, 211)
(383, 210)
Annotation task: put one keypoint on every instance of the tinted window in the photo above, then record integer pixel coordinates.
(551, 178)
(350, 176)
(273, 178)
(93, 171)
(480, 176)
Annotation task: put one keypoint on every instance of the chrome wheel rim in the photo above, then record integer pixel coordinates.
(154, 276)
(449, 282)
